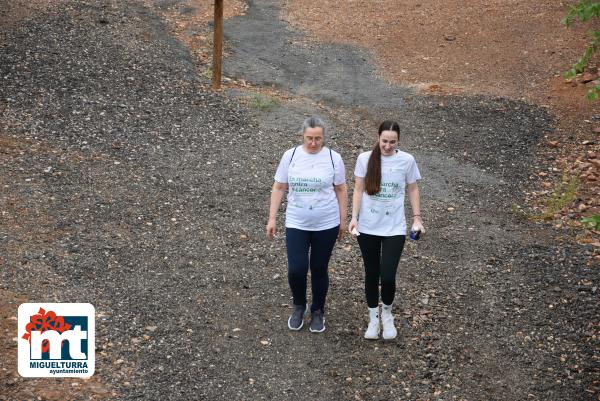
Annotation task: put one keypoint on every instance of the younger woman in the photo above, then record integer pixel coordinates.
(382, 177)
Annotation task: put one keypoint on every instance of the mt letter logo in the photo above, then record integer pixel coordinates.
(56, 340)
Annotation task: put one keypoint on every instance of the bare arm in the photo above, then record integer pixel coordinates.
(415, 202)
(277, 193)
(359, 188)
(341, 192)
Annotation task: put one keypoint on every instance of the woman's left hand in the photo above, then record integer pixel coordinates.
(418, 224)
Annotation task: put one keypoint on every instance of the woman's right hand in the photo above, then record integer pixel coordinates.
(271, 228)
(353, 227)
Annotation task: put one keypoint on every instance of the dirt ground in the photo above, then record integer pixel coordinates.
(127, 183)
(516, 49)
(512, 49)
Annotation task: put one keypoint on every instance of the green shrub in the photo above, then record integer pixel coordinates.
(592, 222)
(585, 10)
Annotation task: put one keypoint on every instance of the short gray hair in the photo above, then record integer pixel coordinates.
(314, 122)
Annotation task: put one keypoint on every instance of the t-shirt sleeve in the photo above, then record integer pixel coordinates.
(340, 170)
(412, 173)
(281, 175)
(360, 170)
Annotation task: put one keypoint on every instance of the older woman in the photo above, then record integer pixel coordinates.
(315, 179)
(381, 178)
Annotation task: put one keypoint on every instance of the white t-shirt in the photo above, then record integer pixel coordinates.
(383, 213)
(312, 203)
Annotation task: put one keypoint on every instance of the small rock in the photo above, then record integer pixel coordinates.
(588, 77)
(517, 302)
(97, 388)
(51, 395)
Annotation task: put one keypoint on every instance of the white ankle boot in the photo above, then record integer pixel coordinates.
(374, 327)
(387, 319)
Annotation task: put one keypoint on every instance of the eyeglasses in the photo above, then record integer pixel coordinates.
(316, 139)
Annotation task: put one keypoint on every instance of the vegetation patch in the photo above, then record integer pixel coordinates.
(563, 195)
(585, 10)
(262, 102)
(592, 222)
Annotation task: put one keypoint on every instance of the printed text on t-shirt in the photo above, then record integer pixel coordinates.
(387, 191)
(305, 185)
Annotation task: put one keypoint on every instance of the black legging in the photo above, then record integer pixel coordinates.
(381, 256)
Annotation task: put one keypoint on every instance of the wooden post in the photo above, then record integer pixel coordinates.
(218, 45)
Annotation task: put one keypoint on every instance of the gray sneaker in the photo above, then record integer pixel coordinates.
(296, 320)
(317, 322)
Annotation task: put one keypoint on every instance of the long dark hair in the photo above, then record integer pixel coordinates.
(373, 177)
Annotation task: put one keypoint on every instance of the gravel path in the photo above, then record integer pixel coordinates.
(127, 184)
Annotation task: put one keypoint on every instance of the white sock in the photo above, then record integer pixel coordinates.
(386, 311)
(374, 327)
(374, 313)
(387, 320)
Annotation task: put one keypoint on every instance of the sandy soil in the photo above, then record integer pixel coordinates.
(504, 48)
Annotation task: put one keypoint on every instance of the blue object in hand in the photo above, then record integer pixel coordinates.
(414, 235)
